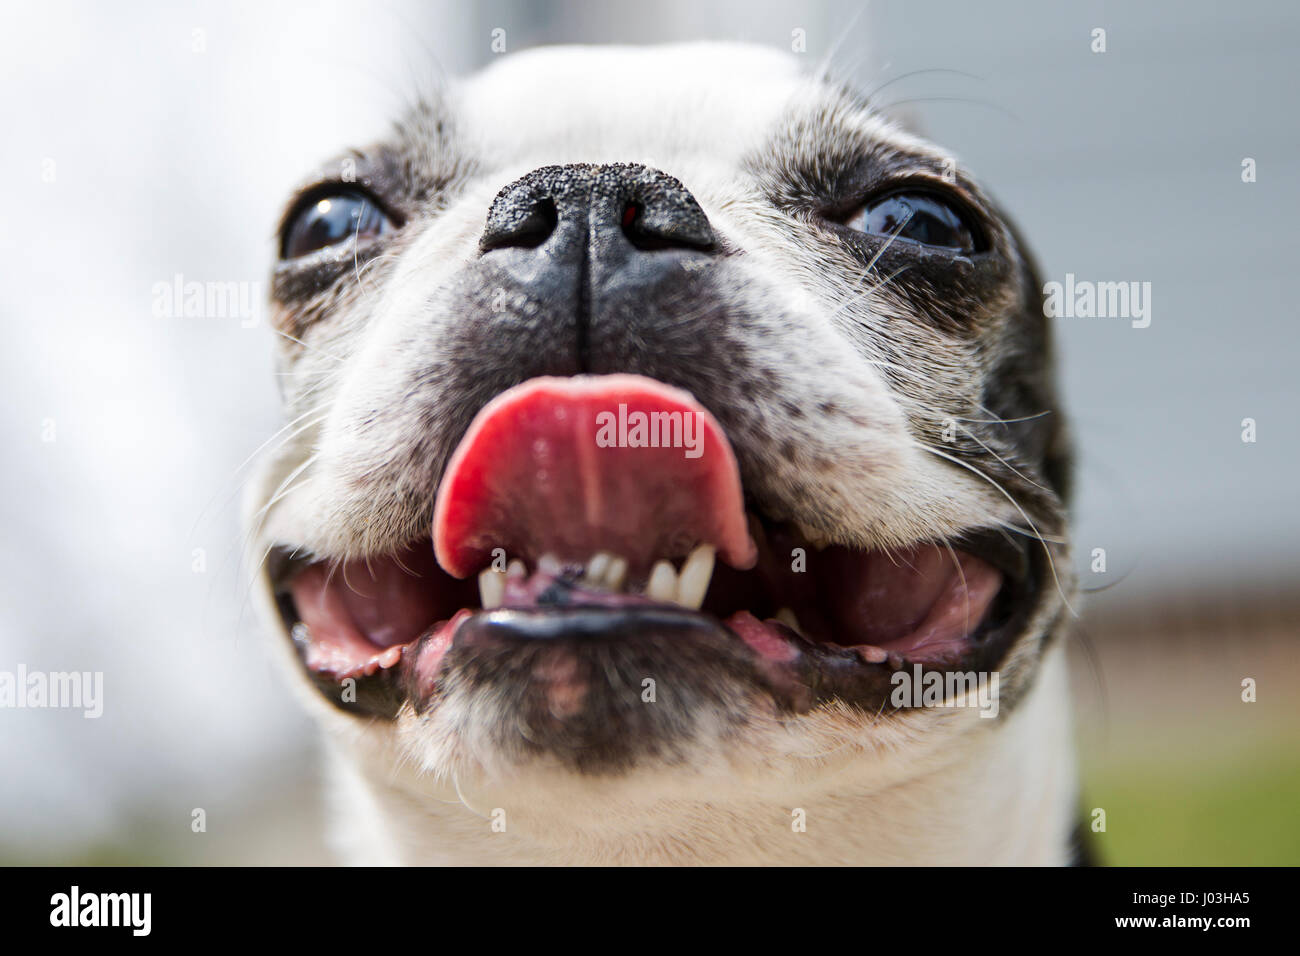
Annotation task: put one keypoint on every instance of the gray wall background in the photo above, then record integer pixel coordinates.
(172, 149)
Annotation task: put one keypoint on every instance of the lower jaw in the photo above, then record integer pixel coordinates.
(763, 661)
(571, 629)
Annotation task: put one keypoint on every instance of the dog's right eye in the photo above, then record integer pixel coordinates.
(331, 219)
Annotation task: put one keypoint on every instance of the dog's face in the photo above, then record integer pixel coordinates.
(492, 581)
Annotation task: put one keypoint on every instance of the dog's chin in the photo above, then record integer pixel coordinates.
(630, 601)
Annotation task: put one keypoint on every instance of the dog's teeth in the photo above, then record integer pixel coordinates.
(786, 617)
(872, 654)
(616, 573)
(491, 588)
(598, 567)
(662, 585)
(516, 569)
(693, 582)
(550, 564)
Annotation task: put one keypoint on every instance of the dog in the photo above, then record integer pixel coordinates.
(673, 473)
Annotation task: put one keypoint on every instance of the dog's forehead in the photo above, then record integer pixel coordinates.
(569, 104)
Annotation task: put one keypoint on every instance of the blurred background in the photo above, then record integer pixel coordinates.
(157, 142)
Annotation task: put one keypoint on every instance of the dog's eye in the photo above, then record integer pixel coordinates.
(331, 219)
(917, 217)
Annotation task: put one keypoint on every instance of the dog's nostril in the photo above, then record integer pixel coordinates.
(647, 232)
(616, 208)
(633, 226)
(527, 229)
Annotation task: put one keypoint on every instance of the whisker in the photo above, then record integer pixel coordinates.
(866, 274)
(823, 71)
(310, 348)
(283, 489)
(911, 73)
(952, 553)
(868, 292)
(1051, 561)
(1002, 421)
(970, 101)
(1006, 463)
(245, 463)
(1089, 649)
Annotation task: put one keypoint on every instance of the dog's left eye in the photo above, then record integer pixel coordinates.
(917, 217)
(329, 220)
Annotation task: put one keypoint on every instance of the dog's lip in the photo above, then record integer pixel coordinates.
(795, 671)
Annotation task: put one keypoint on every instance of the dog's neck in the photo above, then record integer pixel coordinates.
(1002, 798)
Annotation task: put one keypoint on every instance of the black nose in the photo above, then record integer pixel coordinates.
(617, 211)
(592, 246)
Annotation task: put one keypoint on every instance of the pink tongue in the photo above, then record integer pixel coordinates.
(572, 466)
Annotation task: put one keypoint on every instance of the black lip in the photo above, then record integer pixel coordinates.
(822, 673)
(641, 636)
(489, 643)
(578, 624)
(1007, 552)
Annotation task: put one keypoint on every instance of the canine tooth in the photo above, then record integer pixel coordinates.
(616, 573)
(786, 617)
(491, 588)
(662, 585)
(598, 566)
(697, 572)
(516, 569)
(872, 654)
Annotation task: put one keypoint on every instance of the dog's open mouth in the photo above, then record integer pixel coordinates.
(610, 508)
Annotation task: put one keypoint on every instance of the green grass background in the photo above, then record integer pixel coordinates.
(1213, 806)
